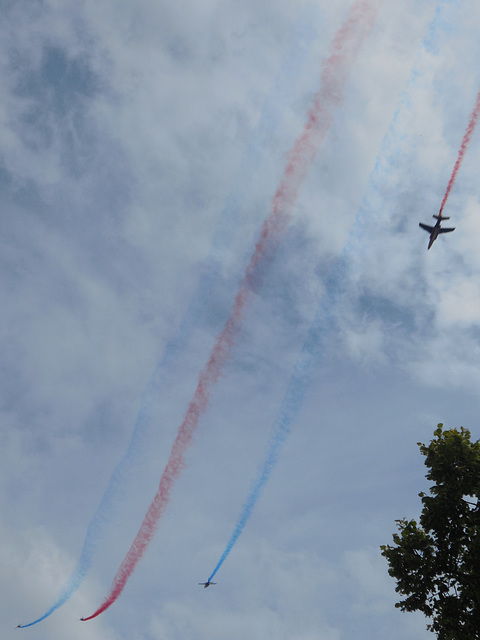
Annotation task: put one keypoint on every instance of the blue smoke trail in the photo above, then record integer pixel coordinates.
(386, 162)
(307, 362)
(303, 37)
(292, 401)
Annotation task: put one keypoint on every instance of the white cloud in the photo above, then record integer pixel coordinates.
(459, 305)
(124, 128)
(33, 567)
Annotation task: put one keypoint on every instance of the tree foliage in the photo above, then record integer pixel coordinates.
(437, 562)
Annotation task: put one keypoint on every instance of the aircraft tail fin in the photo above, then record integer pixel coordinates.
(440, 217)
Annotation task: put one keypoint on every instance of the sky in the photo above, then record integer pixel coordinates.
(141, 146)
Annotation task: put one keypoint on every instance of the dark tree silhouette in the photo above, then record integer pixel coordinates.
(437, 562)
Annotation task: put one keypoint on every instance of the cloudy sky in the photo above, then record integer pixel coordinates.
(141, 146)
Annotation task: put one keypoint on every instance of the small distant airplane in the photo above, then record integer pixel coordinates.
(206, 584)
(437, 229)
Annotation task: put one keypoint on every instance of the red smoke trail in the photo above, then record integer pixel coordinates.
(463, 147)
(334, 74)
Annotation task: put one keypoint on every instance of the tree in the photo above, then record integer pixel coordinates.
(437, 562)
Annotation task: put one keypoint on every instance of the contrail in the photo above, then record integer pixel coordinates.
(307, 361)
(472, 123)
(335, 71)
(304, 34)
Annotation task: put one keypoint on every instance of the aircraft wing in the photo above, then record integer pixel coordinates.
(426, 227)
(446, 229)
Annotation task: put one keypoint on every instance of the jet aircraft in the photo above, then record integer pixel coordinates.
(206, 584)
(437, 229)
